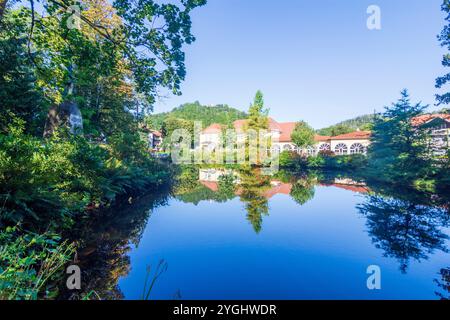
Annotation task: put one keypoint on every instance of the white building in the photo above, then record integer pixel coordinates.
(439, 129)
(351, 143)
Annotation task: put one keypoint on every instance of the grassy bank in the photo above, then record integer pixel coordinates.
(47, 185)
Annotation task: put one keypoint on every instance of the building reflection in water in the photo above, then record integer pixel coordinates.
(406, 226)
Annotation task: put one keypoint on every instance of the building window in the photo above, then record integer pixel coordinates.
(276, 148)
(325, 147)
(341, 149)
(357, 148)
(287, 147)
(311, 151)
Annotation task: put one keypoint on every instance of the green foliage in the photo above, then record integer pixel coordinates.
(444, 39)
(296, 162)
(345, 162)
(227, 186)
(258, 121)
(441, 178)
(364, 122)
(222, 114)
(253, 185)
(189, 189)
(18, 93)
(404, 229)
(46, 185)
(164, 41)
(399, 151)
(257, 115)
(303, 135)
(289, 159)
(116, 64)
(171, 124)
(186, 179)
(303, 189)
(29, 261)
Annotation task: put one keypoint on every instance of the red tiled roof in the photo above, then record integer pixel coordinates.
(156, 133)
(211, 185)
(273, 125)
(422, 119)
(353, 135)
(282, 188)
(213, 128)
(359, 189)
(354, 188)
(286, 129)
(319, 138)
(239, 124)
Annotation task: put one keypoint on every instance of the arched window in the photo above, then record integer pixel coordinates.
(325, 147)
(311, 150)
(357, 148)
(287, 147)
(341, 148)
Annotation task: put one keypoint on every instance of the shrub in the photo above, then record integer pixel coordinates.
(289, 159)
(28, 262)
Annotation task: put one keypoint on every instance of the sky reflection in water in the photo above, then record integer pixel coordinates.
(318, 250)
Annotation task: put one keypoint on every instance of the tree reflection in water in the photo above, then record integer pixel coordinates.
(406, 226)
(444, 284)
(105, 241)
(404, 229)
(303, 189)
(252, 186)
(249, 184)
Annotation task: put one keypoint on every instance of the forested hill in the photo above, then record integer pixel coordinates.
(196, 112)
(363, 122)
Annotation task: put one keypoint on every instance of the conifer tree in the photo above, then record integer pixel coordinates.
(399, 150)
(444, 39)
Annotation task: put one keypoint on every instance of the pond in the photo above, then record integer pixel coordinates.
(223, 234)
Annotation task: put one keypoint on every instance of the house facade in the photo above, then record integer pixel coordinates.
(280, 133)
(355, 142)
(438, 126)
(154, 140)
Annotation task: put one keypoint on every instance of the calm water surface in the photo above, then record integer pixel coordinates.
(288, 238)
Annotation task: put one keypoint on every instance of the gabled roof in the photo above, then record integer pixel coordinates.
(274, 126)
(319, 138)
(211, 185)
(286, 129)
(353, 135)
(354, 188)
(425, 118)
(280, 188)
(213, 128)
(239, 124)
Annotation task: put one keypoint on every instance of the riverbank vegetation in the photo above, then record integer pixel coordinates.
(400, 153)
(73, 92)
(75, 96)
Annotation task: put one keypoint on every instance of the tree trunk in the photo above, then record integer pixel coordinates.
(2, 8)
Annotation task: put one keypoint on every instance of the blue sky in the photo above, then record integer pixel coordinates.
(313, 60)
